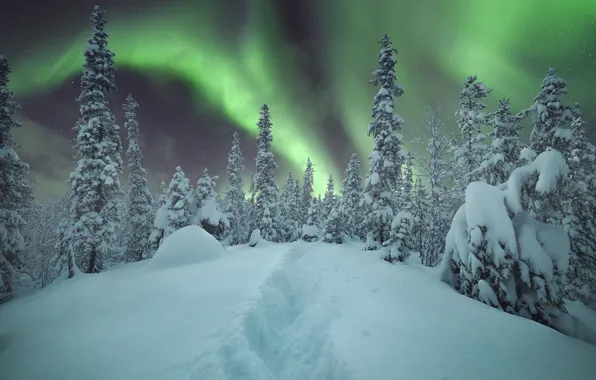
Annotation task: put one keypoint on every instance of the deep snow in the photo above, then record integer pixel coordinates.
(277, 311)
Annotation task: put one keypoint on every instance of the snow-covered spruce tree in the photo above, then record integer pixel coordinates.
(139, 201)
(307, 189)
(15, 192)
(159, 199)
(330, 200)
(234, 197)
(335, 226)
(470, 152)
(209, 215)
(266, 210)
(502, 156)
(549, 113)
(93, 221)
(498, 254)
(176, 213)
(350, 200)
(287, 208)
(384, 177)
(317, 212)
(580, 223)
(400, 246)
(433, 208)
(310, 230)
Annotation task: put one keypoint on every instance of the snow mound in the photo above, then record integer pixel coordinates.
(255, 238)
(188, 245)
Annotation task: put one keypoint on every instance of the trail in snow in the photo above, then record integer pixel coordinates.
(285, 335)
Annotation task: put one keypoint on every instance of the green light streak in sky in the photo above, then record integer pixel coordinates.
(235, 80)
(508, 44)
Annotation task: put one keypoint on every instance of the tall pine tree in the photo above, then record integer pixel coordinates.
(15, 191)
(266, 188)
(384, 176)
(234, 197)
(93, 221)
(140, 201)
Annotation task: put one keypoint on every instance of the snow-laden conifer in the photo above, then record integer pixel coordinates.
(93, 220)
(139, 201)
(471, 146)
(549, 113)
(350, 200)
(15, 192)
(386, 157)
(502, 157)
(209, 216)
(234, 197)
(307, 189)
(266, 211)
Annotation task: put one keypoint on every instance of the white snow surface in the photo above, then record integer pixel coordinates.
(282, 311)
(189, 245)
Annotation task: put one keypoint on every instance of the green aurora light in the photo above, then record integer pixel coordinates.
(508, 44)
(235, 80)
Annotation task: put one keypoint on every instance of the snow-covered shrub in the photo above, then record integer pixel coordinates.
(400, 245)
(500, 255)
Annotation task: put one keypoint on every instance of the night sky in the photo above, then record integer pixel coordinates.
(201, 69)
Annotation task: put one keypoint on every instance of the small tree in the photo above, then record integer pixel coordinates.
(209, 215)
(330, 200)
(234, 197)
(471, 150)
(335, 227)
(310, 230)
(400, 245)
(549, 113)
(308, 182)
(350, 200)
(176, 213)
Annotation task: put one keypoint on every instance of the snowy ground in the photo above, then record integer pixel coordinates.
(290, 312)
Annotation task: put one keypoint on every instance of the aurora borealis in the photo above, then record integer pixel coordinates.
(204, 67)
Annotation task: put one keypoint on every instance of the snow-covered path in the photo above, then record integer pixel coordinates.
(276, 312)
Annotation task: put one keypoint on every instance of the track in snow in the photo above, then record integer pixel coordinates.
(285, 335)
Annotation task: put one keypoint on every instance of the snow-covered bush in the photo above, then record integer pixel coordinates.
(310, 231)
(500, 255)
(400, 245)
